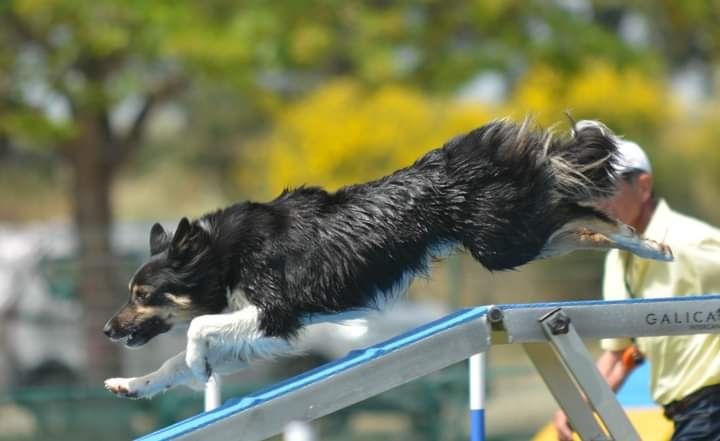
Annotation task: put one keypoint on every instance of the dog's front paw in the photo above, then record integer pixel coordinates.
(122, 387)
(200, 333)
(197, 360)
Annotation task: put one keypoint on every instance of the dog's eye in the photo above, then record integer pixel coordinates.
(141, 293)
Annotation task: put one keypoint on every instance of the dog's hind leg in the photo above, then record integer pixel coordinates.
(603, 234)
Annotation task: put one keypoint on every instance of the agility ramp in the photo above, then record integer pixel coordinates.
(550, 333)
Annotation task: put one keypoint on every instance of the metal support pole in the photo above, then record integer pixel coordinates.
(565, 391)
(213, 394)
(576, 361)
(477, 396)
(299, 431)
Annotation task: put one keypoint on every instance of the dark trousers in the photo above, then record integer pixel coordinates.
(699, 421)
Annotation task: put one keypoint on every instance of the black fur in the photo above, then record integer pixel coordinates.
(496, 191)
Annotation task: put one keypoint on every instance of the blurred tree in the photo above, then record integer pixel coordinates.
(81, 80)
(687, 31)
(72, 91)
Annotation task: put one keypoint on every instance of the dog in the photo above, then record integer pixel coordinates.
(249, 277)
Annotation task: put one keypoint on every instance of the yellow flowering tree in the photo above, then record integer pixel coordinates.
(344, 133)
(627, 99)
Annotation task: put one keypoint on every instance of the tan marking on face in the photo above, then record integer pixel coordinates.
(168, 313)
(149, 311)
(181, 301)
(173, 314)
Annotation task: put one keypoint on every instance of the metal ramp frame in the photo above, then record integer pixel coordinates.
(550, 333)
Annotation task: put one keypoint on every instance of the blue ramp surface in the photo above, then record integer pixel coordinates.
(352, 360)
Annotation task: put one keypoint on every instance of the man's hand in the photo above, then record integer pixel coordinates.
(562, 425)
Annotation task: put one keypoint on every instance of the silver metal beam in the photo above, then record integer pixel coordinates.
(628, 318)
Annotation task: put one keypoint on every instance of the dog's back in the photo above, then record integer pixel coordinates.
(500, 191)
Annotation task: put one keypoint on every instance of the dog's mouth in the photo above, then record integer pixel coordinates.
(139, 335)
(133, 340)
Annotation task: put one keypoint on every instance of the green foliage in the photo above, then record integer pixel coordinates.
(239, 71)
(89, 57)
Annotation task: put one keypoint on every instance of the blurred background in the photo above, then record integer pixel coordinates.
(120, 113)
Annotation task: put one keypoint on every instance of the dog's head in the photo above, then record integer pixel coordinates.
(180, 281)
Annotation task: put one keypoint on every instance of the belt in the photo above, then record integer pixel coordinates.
(679, 406)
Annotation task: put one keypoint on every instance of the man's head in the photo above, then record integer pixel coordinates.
(634, 201)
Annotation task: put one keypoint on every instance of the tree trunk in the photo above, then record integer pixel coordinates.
(98, 286)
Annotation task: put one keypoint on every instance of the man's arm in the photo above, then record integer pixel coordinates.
(615, 367)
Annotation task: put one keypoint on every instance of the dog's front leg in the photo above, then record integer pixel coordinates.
(231, 336)
(173, 372)
(218, 333)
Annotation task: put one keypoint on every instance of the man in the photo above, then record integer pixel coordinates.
(685, 370)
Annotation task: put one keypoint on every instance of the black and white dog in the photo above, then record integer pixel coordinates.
(247, 278)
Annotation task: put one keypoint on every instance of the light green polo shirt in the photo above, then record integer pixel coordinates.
(683, 364)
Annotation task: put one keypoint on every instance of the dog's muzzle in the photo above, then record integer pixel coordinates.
(135, 335)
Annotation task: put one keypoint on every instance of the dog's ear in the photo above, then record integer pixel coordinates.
(158, 239)
(188, 240)
(182, 234)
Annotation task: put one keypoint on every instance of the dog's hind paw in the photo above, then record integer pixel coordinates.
(122, 388)
(646, 248)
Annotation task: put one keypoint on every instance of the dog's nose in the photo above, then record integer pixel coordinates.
(108, 330)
